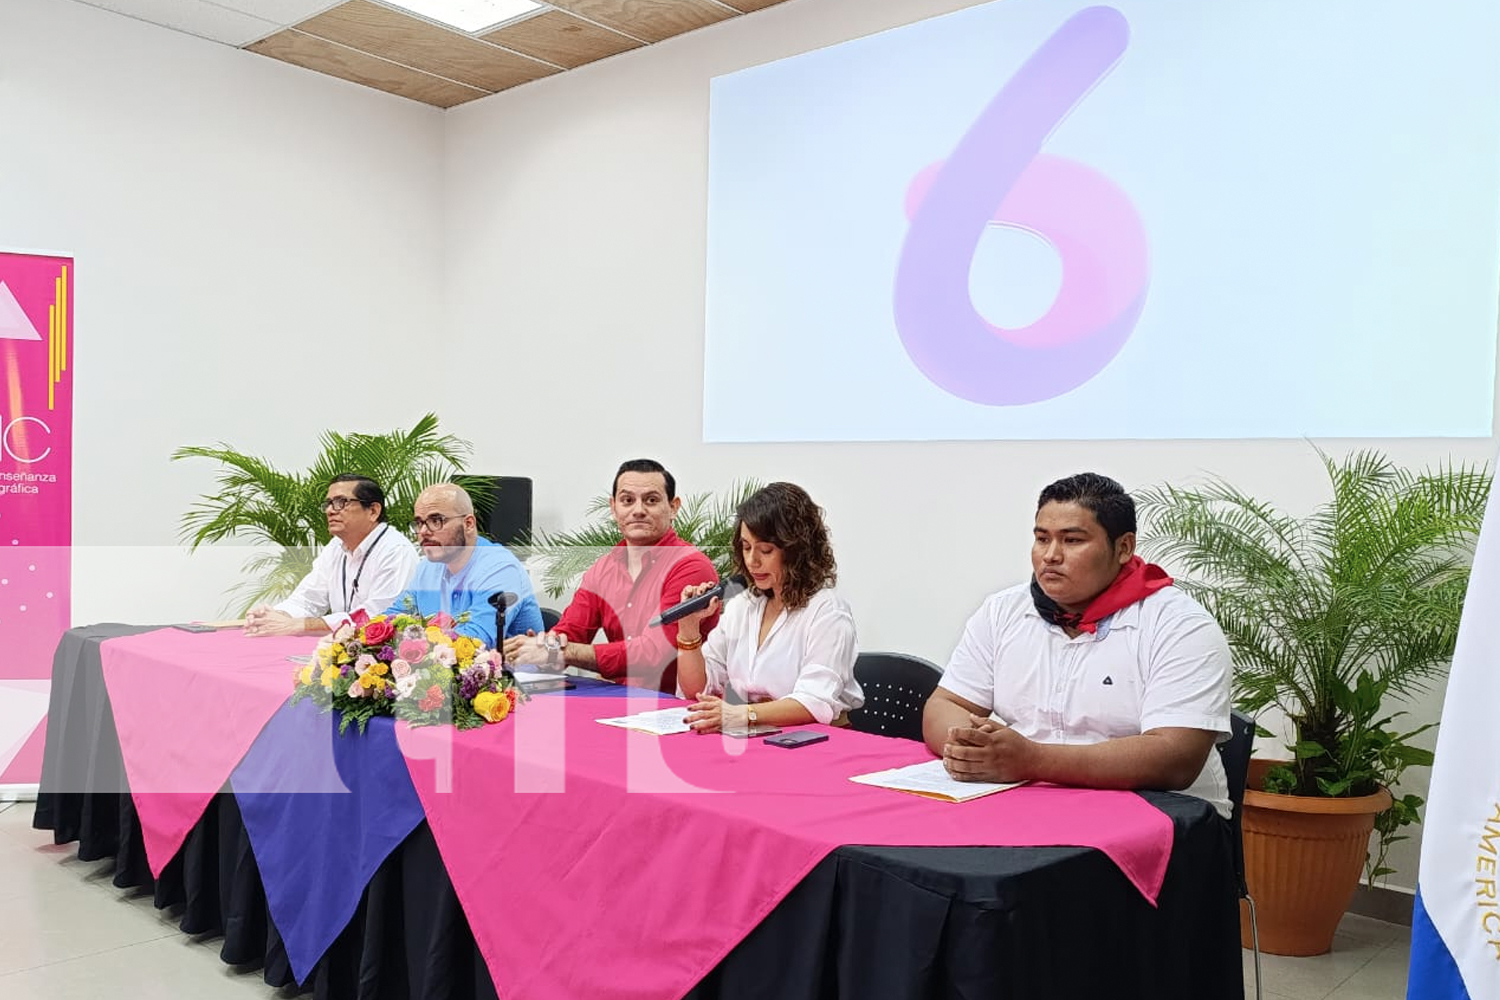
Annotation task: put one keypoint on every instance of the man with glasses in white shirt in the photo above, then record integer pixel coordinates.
(364, 566)
(462, 570)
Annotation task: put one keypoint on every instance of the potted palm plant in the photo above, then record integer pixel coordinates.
(1331, 618)
(256, 501)
(706, 521)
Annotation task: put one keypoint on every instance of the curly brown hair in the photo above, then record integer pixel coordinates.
(784, 515)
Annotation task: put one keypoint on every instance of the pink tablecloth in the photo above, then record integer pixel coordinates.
(187, 707)
(664, 852)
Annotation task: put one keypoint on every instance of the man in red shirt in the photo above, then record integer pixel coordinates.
(629, 585)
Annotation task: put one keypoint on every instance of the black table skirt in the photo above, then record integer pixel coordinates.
(867, 922)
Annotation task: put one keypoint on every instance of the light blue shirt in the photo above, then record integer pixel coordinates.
(490, 570)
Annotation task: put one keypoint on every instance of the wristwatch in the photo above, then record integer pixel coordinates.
(554, 651)
(750, 716)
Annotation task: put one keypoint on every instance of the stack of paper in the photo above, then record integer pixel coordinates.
(931, 779)
(533, 681)
(662, 722)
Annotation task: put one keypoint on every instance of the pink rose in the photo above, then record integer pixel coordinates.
(443, 620)
(379, 633)
(412, 651)
(400, 668)
(360, 617)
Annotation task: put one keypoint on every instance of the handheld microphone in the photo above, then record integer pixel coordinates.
(725, 589)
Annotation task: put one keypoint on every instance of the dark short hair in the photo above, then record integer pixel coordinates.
(784, 515)
(647, 465)
(366, 490)
(1101, 495)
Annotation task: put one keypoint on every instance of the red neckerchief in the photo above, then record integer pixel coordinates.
(1136, 581)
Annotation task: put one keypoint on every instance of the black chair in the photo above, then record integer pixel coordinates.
(550, 619)
(1235, 753)
(896, 688)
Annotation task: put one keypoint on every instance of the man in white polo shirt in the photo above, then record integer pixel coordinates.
(1098, 673)
(364, 566)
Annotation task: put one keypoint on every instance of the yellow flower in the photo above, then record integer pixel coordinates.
(306, 674)
(380, 669)
(378, 618)
(336, 650)
(436, 637)
(329, 673)
(491, 707)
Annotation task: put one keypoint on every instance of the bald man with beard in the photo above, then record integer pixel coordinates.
(461, 570)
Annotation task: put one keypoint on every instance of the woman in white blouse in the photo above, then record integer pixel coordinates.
(787, 645)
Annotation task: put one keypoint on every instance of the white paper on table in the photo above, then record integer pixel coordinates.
(931, 779)
(661, 722)
(540, 680)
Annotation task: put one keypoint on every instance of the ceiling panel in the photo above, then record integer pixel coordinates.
(562, 39)
(425, 46)
(649, 20)
(195, 17)
(746, 6)
(283, 12)
(335, 60)
(375, 44)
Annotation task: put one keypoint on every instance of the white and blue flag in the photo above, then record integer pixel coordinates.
(1455, 934)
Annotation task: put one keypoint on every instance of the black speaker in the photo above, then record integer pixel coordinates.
(504, 515)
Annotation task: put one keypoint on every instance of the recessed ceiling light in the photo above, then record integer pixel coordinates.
(472, 16)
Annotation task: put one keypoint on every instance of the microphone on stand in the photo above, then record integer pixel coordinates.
(500, 601)
(725, 589)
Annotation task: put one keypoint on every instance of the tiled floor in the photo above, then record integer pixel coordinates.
(1368, 962)
(66, 931)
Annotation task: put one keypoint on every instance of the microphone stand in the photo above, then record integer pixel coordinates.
(500, 601)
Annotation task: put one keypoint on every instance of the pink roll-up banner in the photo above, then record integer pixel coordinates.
(36, 496)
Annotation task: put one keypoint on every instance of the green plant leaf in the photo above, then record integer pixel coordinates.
(1332, 615)
(256, 502)
(1307, 749)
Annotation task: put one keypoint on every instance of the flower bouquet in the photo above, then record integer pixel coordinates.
(412, 667)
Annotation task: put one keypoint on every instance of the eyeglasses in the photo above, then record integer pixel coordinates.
(433, 523)
(337, 504)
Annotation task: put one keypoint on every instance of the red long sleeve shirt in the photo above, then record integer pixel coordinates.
(609, 599)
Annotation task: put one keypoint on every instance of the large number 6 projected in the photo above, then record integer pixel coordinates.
(997, 173)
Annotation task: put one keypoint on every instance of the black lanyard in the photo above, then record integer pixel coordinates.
(348, 591)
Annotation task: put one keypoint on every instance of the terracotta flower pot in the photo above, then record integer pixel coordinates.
(1303, 858)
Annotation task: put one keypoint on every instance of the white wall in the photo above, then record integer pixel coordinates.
(575, 233)
(257, 246)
